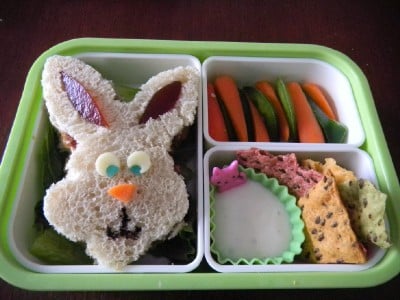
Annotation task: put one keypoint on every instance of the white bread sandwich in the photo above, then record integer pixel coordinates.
(121, 192)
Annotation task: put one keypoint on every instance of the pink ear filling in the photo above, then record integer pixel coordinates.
(82, 101)
(162, 101)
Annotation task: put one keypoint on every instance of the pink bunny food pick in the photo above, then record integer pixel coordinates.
(227, 177)
(120, 192)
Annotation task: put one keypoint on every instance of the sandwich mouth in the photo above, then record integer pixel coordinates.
(123, 231)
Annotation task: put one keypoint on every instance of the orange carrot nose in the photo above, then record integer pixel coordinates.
(123, 192)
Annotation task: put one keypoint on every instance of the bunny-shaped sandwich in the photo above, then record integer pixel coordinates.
(120, 192)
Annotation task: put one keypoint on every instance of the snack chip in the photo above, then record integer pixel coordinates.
(330, 168)
(366, 206)
(329, 236)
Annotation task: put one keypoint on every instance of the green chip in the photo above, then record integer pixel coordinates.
(366, 206)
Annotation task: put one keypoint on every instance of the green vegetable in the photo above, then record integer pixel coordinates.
(180, 249)
(334, 132)
(287, 105)
(52, 158)
(125, 92)
(53, 248)
(52, 169)
(266, 110)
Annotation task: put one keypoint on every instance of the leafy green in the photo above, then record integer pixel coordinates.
(48, 245)
(52, 169)
(180, 249)
(125, 92)
(53, 248)
(52, 158)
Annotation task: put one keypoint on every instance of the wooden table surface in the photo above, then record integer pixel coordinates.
(367, 31)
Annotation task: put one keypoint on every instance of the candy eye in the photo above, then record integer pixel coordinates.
(107, 164)
(138, 162)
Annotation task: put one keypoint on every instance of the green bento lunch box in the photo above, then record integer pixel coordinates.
(132, 62)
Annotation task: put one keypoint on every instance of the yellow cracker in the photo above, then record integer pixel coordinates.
(329, 236)
(364, 203)
(330, 167)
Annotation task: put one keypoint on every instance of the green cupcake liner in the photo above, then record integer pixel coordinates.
(294, 213)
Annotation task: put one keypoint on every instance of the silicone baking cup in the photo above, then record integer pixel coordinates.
(281, 195)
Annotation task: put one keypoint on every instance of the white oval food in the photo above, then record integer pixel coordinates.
(250, 222)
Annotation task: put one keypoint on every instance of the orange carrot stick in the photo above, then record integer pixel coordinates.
(216, 124)
(316, 94)
(228, 92)
(308, 127)
(261, 132)
(268, 91)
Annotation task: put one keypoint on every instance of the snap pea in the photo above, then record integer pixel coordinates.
(266, 110)
(334, 132)
(287, 105)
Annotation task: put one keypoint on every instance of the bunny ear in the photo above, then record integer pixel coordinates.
(81, 102)
(78, 99)
(162, 101)
(167, 103)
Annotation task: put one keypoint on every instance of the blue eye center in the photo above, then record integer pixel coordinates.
(112, 170)
(136, 170)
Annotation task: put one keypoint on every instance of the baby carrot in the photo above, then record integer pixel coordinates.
(308, 127)
(316, 94)
(267, 89)
(228, 92)
(216, 123)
